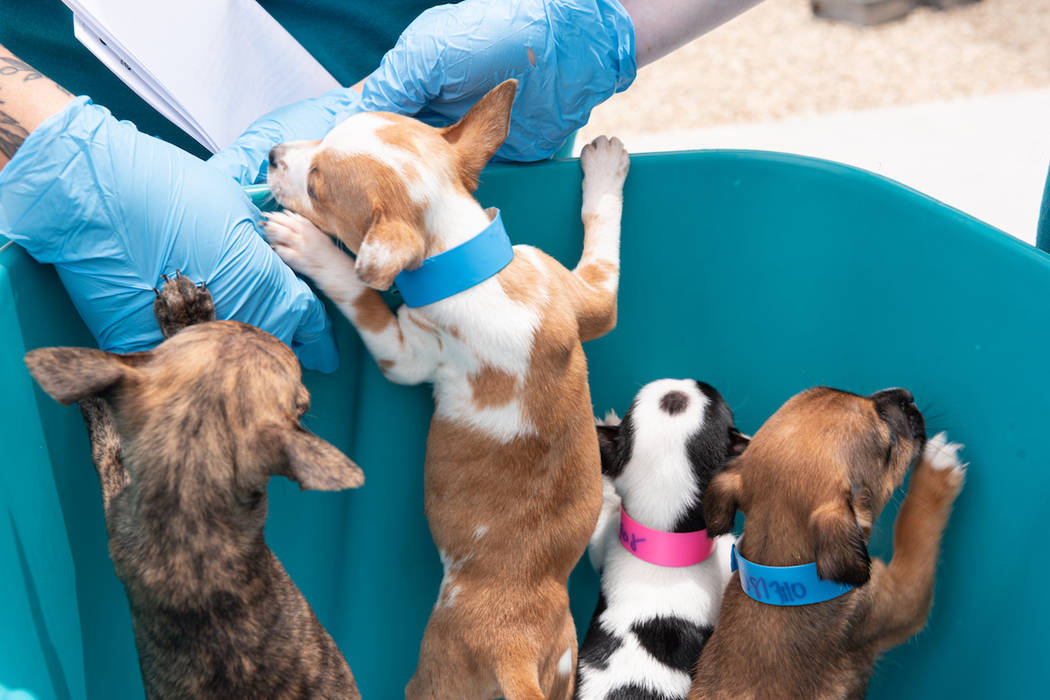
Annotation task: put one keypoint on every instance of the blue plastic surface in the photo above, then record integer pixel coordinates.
(760, 273)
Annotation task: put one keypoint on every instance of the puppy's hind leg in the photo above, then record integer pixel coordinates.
(597, 276)
(181, 303)
(519, 680)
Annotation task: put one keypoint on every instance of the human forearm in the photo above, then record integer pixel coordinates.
(27, 98)
(661, 26)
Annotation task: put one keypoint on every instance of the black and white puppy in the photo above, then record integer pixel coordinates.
(652, 621)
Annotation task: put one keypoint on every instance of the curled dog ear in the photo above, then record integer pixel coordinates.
(608, 446)
(389, 246)
(722, 499)
(479, 134)
(71, 374)
(317, 465)
(842, 553)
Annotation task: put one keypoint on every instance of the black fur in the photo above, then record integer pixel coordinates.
(599, 644)
(672, 641)
(635, 692)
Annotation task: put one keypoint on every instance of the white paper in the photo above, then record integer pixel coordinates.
(210, 66)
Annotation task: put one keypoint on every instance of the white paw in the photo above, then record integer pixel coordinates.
(605, 163)
(941, 454)
(304, 247)
(610, 418)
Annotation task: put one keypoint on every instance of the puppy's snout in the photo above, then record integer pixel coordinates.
(275, 155)
(900, 402)
(898, 396)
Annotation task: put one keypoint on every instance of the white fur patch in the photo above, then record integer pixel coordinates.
(565, 662)
(449, 590)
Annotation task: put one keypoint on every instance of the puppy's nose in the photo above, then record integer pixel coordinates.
(275, 155)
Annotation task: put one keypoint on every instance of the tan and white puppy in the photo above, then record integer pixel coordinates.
(512, 477)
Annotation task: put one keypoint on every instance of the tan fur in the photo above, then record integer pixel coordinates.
(373, 315)
(812, 478)
(492, 387)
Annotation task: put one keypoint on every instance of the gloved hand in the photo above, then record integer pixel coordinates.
(245, 160)
(114, 209)
(568, 57)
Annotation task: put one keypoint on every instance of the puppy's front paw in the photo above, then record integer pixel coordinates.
(181, 303)
(605, 163)
(304, 247)
(942, 457)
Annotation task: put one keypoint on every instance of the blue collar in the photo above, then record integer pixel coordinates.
(784, 585)
(457, 269)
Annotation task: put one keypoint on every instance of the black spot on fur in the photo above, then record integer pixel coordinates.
(674, 402)
(599, 644)
(635, 692)
(672, 641)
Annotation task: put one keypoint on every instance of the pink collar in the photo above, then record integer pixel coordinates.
(664, 548)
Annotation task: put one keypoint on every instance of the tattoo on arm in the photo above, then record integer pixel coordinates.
(12, 134)
(9, 65)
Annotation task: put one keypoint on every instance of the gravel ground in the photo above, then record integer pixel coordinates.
(777, 61)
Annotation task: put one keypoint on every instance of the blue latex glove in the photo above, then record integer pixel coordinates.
(451, 55)
(245, 160)
(114, 209)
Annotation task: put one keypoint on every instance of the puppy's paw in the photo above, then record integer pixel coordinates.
(304, 247)
(181, 303)
(942, 457)
(605, 163)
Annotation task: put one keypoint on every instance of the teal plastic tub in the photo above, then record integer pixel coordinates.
(761, 273)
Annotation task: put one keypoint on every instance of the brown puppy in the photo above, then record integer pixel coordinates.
(185, 438)
(813, 480)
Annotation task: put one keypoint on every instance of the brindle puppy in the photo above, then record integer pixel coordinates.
(813, 480)
(185, 438)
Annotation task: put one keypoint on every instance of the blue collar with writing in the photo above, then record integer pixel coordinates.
(457, 269)
(784, 585)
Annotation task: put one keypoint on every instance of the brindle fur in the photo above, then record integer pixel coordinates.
(184, 439)
(812, 481)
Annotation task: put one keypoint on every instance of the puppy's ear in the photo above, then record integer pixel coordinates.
(389, 246)
(738, 442)
(842, 553)
(722, 499)
(608, 446)
(317, 465)
(71, 374)
(479, 134)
